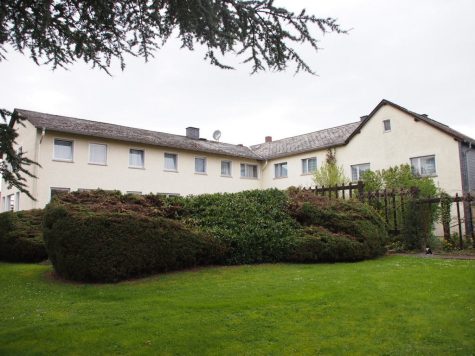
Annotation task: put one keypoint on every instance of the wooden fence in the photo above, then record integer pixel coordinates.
(391, 202)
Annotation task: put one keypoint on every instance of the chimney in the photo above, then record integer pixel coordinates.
(363, 118)
(268, 138)
(193, 132)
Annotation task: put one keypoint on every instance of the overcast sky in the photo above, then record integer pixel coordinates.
(419, 54)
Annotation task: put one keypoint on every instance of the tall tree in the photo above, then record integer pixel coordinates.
(59, 33)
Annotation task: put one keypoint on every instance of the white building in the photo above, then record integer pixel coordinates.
(77, 154)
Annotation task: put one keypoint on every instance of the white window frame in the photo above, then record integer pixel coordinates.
(98, 144)
(279, 170)
(10, 206)
(358, 170)
(143, 158)
(384, 125)
(419, 168)
(230, 168)
(205, 165)
(165, 162)
(305, 166)
(246, 170)
(17, 201)
(72, 150)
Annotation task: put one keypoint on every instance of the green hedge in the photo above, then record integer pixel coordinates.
(21, 236)
(108, 247)
(317, 244)
(255, 224)
(348, 217)
(106, 237)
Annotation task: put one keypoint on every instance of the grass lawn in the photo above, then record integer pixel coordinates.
(393, 305)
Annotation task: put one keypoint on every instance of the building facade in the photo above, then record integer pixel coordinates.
(77, 154)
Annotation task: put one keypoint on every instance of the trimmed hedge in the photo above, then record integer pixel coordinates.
(21, 236)
(254, 224)
(347, 217)
(106, 237)
(108, 247)
(318, 244)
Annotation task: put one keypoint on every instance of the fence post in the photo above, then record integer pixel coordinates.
(361, 190)
(394, 209)
(386, 206)
(457, 200)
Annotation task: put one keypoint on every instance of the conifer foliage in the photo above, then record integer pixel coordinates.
(61, 32)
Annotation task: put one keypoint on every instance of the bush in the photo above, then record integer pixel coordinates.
(317, 244)
(108, 247)
(106, 237)
(254, 224)
(21, 236)
(347, 217)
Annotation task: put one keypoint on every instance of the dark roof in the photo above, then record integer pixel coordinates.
(332, 137)
(130, 134)
(420, 117)
(312, 141)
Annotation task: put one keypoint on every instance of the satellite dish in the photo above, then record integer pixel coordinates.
(217, 135)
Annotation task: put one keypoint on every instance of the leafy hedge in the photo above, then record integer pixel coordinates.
(108, 247)
(100, 236)
(254, 224)
(317, 244)
(342, 217)
(21, 236)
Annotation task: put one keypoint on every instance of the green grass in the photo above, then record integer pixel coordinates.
(393, 305)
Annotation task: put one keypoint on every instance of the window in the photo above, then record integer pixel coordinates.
(10, 202)
(63, 150)
(423, 166)
(171, 162)
(280, 170)
(136, 158)
(97, 153)
(226, 168)
(56, 191)
(200, 165)
(357, 170)
(17, 201)
(248, 170)
(309, 165)
(387, 125)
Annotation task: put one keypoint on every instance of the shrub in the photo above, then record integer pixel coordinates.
(106, 237)
(348, 217)
(317, 244)
(111, 246)
(254, 224)
(21, 237)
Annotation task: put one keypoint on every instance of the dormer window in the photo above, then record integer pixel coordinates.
(387, 125)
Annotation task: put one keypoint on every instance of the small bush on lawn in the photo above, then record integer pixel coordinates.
(348, 217)
(108, 247)
(21, 236)
(254, 224)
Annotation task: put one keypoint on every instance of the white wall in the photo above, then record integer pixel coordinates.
(117, 175)
(407, 139)
(27, 140)
(295, 176)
